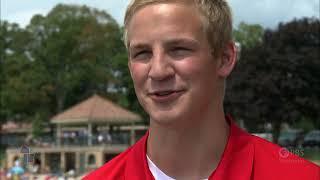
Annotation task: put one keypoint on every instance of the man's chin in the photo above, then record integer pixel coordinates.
(165, 118)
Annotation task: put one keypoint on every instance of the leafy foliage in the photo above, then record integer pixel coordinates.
(248, 35)
(278, 80)
(60, 59)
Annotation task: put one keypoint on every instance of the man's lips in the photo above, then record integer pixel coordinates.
(165, 95)
(164, 92)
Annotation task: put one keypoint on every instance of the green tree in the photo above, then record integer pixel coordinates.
(61, 59)
(278, 80)
(248, 35)
(37, 125)
(75, 46)
(15, 72)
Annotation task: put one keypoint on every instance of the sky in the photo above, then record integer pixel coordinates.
(267, 13)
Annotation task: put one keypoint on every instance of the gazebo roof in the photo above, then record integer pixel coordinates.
(96, 109)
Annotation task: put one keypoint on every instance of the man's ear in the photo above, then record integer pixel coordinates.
(227, 60)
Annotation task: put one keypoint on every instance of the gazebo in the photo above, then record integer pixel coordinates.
(95, 111)
(95, 114)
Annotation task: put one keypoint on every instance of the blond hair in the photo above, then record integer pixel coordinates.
(216, 15)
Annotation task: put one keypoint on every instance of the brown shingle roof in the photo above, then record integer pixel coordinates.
(16, 127)
(96, 109)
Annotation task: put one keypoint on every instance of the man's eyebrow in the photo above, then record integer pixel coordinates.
(135, 46)
(181, 41)
(167, 42)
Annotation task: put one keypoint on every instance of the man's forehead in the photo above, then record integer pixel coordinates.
(161, 7)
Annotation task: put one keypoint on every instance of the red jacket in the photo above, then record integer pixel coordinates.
(246, 157)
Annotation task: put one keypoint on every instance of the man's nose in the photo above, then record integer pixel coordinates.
(160, 67)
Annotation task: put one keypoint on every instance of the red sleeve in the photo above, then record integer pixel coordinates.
(113, 169)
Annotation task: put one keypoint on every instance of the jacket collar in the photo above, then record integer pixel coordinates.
(236, 161)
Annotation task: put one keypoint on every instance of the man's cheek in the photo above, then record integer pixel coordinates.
(137, 72)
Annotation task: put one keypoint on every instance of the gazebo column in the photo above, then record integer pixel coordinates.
(59, 134)
(89, 134)
(132, 135)
(63, 161)
(77, 156)
(43, 162)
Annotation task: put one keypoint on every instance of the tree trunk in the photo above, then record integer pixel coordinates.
(276, 131)
(60, 98)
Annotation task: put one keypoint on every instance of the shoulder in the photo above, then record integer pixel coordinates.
(129, 163)
(275, 162)
(113, 169)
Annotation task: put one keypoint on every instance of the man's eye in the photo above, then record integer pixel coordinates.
(141, 55)
(179, 52)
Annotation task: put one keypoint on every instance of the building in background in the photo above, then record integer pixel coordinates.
(86, 136)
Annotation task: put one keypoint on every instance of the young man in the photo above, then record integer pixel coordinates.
(180, 54)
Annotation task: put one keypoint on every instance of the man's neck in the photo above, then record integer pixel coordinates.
(189, 152)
